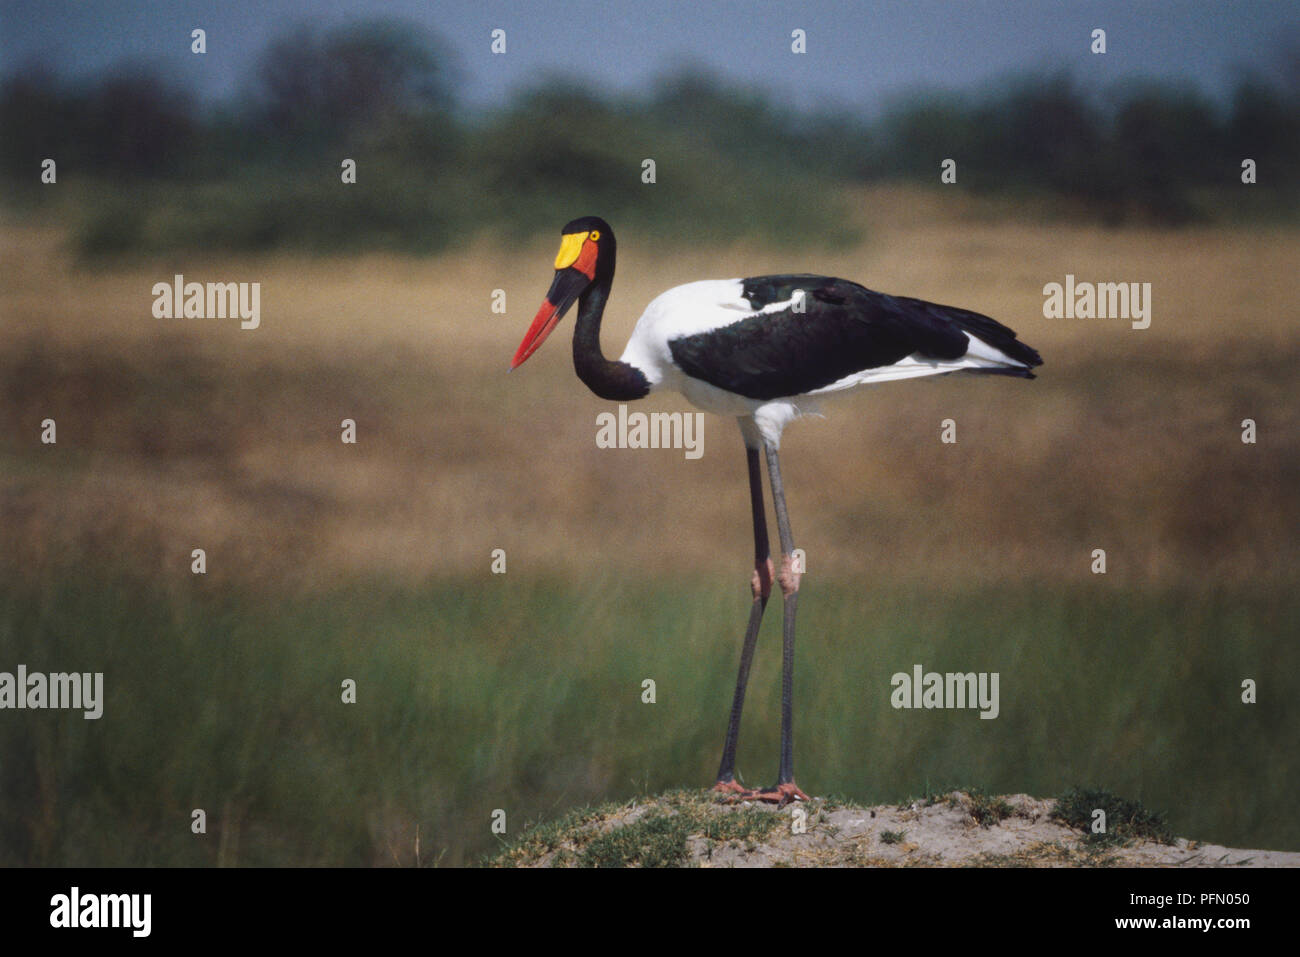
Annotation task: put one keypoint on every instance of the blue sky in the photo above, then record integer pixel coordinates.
(858, 52)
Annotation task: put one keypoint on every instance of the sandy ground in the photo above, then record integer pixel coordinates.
(939, 834)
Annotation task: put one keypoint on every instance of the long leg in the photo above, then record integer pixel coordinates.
(762, 587)
(785, 789)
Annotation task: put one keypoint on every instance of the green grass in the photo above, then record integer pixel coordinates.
(987, 809)
(655, 836)
(1126, 820)
(524, 696)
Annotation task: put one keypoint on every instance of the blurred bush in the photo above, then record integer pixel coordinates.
(151, 171)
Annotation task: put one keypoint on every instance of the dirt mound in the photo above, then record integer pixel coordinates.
(954, 829)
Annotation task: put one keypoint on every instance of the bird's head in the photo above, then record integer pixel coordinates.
(586, 253)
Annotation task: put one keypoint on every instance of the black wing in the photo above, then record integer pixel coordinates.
(843, 328)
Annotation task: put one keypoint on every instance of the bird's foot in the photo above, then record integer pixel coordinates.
(761, 580)
(733, 791)
(779, 794)
(789, 578)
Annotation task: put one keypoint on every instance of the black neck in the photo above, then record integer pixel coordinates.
(609, 379)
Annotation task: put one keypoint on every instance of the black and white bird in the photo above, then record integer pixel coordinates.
(762, 350)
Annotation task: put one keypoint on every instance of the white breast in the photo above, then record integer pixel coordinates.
(686, 311)
(682, 311)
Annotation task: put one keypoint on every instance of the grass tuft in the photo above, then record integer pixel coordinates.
(639, 833)
(1126, 821)
(985, 808)
(988, 809)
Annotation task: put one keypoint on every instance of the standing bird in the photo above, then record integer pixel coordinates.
(759, 349)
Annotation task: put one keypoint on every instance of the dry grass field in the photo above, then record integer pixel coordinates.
(177, 432)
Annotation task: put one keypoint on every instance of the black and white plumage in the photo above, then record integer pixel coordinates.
(764, 350)
(809, 334)
(769, 346)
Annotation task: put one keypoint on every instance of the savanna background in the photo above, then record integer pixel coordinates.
(522, 691)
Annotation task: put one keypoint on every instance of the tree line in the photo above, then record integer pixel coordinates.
(156, 168)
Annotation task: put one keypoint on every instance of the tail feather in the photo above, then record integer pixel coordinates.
(999, 337)
(1014, 371)
(989, 331)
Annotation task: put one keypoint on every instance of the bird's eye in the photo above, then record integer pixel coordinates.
(595, 234)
